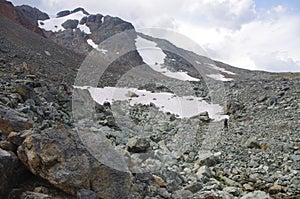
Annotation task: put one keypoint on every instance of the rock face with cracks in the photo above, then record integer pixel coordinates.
(58, 156)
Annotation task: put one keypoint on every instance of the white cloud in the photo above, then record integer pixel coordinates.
(268, 42)
(224, 13)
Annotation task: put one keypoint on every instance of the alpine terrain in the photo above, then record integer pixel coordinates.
(92, 108)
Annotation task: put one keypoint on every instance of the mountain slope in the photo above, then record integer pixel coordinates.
(21, 45)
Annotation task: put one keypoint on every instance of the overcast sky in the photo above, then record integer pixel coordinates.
(252, 34)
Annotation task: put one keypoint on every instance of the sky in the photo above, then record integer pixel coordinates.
(251, 34)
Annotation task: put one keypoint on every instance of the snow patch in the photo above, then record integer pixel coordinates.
(84, 28)
(95, 46)
(220, 69)
(92, 43)
(154, 57)
(184, 107)
(219, 77)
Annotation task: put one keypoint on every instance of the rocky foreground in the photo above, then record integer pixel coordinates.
(44, 154)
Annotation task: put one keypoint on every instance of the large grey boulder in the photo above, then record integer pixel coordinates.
(58, 156)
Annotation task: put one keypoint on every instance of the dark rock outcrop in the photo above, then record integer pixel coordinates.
(70, 24)
(32, 14)
(80, 9)
(109, 27)
(63, 13)
(93, 21)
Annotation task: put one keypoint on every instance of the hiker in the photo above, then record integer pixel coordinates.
(226, 124)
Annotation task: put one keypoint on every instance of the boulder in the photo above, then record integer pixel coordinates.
(58, 156)
(138, 145)
(204, 117)
(132, 94)
(11, 120)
